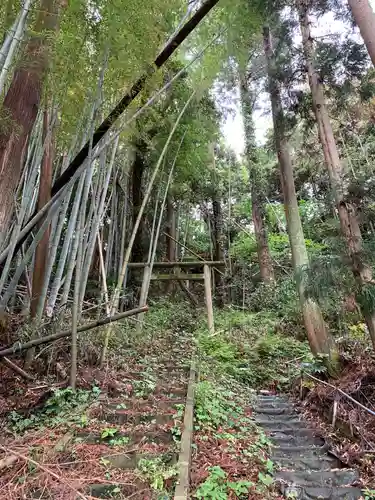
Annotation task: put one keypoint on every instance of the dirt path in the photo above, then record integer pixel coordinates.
(124, 443)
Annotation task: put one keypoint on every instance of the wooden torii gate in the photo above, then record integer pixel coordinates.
(177, 275)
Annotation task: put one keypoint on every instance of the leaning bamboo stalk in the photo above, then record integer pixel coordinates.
(136, 89)
(29, 189)
(148, 269)
(116, 293)
(81, 227)
(20, 268)
(106, 140)
(66, 244)
(116, 232)
(8, 40)
(371, 412)
(18, 347)
(76, 308)
(123, 228)
(69, 272)
(110, 239)
(52, 258)
(18, 35)
(41, 214)
(104, 276)
(145, 201)
(98, 215)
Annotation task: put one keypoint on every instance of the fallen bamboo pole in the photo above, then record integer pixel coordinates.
(17, 347)
(7, 362)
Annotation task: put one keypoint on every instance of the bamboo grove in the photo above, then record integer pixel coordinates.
(112, 152)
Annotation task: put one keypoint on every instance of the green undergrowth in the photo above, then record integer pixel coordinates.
(63, 408)
(247, 347)
(231, 453)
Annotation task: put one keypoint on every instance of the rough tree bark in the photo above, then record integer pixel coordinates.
(257, 200)
(346, 211)
(170, 238)
(41, 253)
(138, 170)
(218, 243)
(21, 104)
(364, 17)
(318, 336)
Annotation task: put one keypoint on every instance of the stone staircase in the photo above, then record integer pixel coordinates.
(306, 470)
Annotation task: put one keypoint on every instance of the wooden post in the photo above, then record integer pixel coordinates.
(144, 294)
(208, 295)
(184, 461)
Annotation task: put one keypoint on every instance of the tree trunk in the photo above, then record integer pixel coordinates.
(41, 254)
(137, 196)
(319, 338)
(263, 251)
(264, 256)
(170, 239)
(42, 250)
(364, 17)
(21, 104)
(218, 253)
(347, 211)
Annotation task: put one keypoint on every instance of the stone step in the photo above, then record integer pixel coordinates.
(122, 417)
(275, 399)
(130, 404)
(291, 425)
(110, 490)
(271, 411)
(157, 375)
(272, 404)
(303, 463)
(131, 438)
(296, 452)
(322, 493)
(172, 392)
(262, 419)
(306, 470)
(307, 440)
(331, 478)
(276, 432)
(129, 461)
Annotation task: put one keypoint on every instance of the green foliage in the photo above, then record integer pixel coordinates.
(366, 298)
(251, 352)
(115, 439)
(108, 431)
(280, 299)
(213, 406)
(244, 248)
(217, 486)
(369, 494)
(157, 472)
(63, 408)
(176, 316)
(145, 386)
